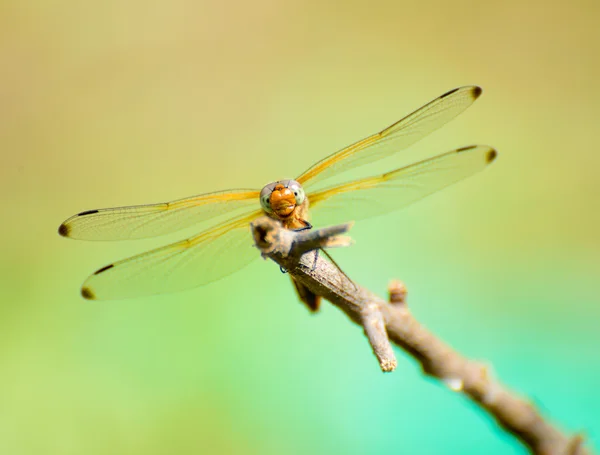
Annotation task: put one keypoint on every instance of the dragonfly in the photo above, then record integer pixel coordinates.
(225, 246)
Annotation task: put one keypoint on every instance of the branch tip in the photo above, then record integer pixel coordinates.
(397, 292)
(388, 365)
(264, 231)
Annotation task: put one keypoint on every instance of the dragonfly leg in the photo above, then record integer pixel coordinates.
(307, 226)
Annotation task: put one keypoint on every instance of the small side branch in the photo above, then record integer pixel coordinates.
(392, 321)
(374, 325)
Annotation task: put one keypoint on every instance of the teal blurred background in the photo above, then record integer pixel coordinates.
(117, 103)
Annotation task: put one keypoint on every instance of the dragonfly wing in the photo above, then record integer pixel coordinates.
(142, 221)
(199, 260)
(396, 137)
(393, 190)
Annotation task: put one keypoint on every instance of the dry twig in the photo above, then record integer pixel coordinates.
(381, 319)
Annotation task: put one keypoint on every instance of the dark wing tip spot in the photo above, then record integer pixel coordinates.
(448, 93)
(64, 230)
(463, 149)
(491, 156)
(87, 293)
(87, 212)
(477, 92)
(103, 269)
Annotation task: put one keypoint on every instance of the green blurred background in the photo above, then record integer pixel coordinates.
(116, 103)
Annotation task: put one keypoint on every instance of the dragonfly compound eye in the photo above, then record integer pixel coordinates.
(298, 191)
(265, 198)
(265, 203)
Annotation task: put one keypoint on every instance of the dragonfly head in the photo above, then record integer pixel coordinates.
(281, 198)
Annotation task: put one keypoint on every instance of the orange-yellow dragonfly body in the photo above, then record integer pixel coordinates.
(226, 246)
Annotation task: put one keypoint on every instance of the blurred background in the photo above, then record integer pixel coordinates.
(118, 103)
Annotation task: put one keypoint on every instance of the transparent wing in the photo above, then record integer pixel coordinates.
(199, 260)
(393, 190)
(396, 137)
(142, 221)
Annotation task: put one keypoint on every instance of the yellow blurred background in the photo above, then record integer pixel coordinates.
(118, 103)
